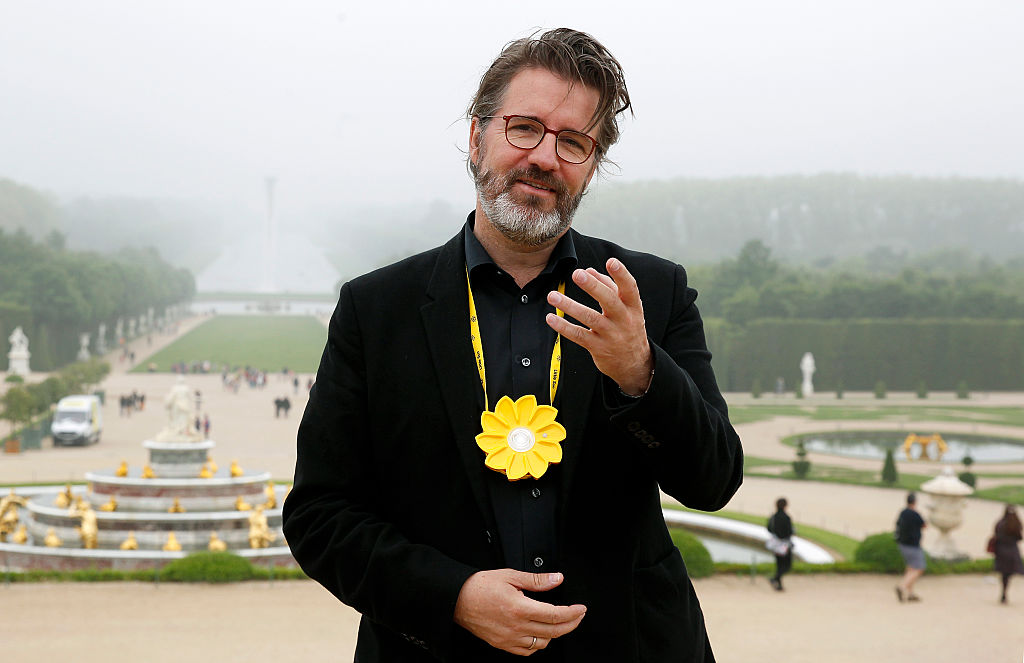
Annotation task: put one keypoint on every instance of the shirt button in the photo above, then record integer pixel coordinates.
(524, 299)
(538, 562)
(535, 492)
(526, 361)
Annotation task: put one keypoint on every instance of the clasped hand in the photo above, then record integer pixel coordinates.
(616, 336)
(492, 606)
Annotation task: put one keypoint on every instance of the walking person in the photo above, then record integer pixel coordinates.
(781, 544)
(1005, 539)
(908, 535)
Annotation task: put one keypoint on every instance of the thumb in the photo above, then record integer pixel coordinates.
(535, 582)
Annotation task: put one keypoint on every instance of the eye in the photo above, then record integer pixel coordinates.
(522, 127)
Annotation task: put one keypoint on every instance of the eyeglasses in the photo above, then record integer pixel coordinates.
(527, 133)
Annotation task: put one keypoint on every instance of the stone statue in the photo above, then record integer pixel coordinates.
(9, 513)
(101, 339)
(83, 347)
(87, 529)
(17, 358)
(807, 368)
(180, 426)
(259, 531)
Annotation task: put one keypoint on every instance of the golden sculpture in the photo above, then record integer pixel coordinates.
(242, 505)
(131, 543)
(21, 536)
(52, 540)
(205, 473)
(176, 507)
(147, 472)
(259, 531)
(122, 469)
(87, 529)
(236, 471)
(172, 544)
(271, 502)
(9, 513)
(211, 463)
(64, 498)
(925, 441)
(110, 505)
(216, 544)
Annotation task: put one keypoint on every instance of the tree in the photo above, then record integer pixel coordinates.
(17, 407)
(889, 474)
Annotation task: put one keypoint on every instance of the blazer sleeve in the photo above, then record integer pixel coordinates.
(682, 420)
(332, 518)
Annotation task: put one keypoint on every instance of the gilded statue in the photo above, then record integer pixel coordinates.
(259, 531)
(216, 544)
(205, 472)
(9, 513)
(176, 507)
(131, 543)
(242, 505)
(236, 470)
(122, 469)
(109, 505)
(271, 502)
(925, 441)
(147, 472)
(64, 498)
(52, 540)
(21, 536)
(87, 529)
(172, 544)
(211, 463)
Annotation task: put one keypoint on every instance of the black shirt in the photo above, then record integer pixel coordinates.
(517, 345)
(908, 527)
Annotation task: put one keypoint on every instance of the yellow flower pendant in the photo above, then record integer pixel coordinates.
(521, 438)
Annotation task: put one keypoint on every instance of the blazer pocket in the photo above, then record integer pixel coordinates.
(669, 622)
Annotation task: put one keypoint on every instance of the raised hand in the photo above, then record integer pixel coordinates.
(492, 607)
(615, 336)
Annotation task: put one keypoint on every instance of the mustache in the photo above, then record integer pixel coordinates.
(535, 174)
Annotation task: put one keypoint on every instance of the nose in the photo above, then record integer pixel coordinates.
(544, 156)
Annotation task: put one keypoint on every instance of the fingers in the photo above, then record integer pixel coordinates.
(534, 582)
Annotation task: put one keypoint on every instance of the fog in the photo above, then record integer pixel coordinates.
(361, 103)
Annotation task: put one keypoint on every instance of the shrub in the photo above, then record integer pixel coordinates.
(755, 388)
(839, 389)
(889, 474)
(961, 390)
(205, 566)
(967, 476)
(695, 555)
(14, 378)
(880, 390)
(881, 552)
(798, 391)
(922, 389)
(801, 466)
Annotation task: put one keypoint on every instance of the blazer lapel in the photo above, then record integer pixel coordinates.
(446, 323)
(577, 383)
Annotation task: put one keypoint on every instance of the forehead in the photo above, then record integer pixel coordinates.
(551, 99)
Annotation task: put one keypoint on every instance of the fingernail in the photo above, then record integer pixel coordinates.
(614, 263)
(554, 577)
(555, 298)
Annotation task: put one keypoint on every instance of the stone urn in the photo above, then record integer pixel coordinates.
(946, 511)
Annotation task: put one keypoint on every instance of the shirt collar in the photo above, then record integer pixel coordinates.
(562, 260)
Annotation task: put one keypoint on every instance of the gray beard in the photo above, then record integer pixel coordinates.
(523, 222)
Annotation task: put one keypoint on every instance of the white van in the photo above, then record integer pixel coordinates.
(77, 420)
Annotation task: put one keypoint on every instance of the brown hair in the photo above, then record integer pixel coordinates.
(570, 54)
(1013, 524)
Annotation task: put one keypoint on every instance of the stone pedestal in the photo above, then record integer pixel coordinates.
(17, 362)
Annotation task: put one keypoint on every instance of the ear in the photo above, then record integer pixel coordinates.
(474, 140)
(593, 169)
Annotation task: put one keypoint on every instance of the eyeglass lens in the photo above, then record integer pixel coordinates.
(526, 134)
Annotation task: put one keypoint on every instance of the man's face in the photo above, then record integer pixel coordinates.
(530, 196)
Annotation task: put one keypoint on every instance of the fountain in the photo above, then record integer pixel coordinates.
(143, 517)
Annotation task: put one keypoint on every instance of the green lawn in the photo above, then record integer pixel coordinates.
(1006, 416)
(268, 342)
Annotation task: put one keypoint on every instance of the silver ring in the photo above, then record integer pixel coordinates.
(534, 643)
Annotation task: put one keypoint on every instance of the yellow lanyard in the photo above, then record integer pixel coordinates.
(478, 345)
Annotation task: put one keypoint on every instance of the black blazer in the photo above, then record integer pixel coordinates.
(389, 509)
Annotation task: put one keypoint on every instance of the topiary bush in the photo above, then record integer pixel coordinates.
(889, 474)
(801, 466)
(880, 390)
(695, 555)
(755, 388)
(206, 566)
(968, 477)
(922, 389)
(961, 390)
(881, 552)
(839, 389)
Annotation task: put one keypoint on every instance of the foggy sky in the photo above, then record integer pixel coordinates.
(360, 103)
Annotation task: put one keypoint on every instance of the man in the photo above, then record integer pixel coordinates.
(780, 526)
(908, 535)
(437, 490)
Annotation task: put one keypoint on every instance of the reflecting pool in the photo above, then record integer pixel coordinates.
(873, 444)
